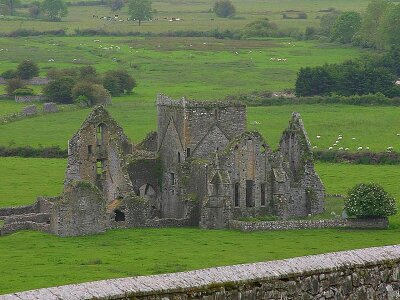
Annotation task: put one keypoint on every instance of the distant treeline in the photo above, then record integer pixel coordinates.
(367, 75)
(267, 98)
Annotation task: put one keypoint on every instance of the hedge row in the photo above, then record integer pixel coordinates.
(364, 157)
(28, 151)
(268, 99)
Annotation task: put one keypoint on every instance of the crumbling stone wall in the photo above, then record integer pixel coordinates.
(81, 211)
(97, 154)
(371, 273)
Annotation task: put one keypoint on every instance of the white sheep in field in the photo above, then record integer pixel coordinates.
(330, 148)
(341, 148)
(346, 149)
(359, 148)
(318, 136)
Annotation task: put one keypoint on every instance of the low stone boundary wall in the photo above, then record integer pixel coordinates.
(25, 225)
(371, 273)
(373, 223)
(167, 222)
(30, 98)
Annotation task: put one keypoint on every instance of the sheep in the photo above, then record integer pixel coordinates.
(330, 148)
(353, 138)
(341, 148)
(359, 148)
(318, 136)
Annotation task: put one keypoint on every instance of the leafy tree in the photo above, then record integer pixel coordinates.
(9, 6)
(55, 9)
(371, 21)
(139, 10)
(116, 4)
(346, 26)
(34, 9)
(314, 81)
(59, 90)
(262, 27)
(27, 69)
(327, 21)
(93, 93)
(89, 73)
(118, 82)
(369, 200)
(224, 8)
(14, 84)
(389, 28)
(59, 73)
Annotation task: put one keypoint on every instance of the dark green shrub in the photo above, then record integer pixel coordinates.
(369, 200)
(9, 74)
(27, 69)
(24, 92)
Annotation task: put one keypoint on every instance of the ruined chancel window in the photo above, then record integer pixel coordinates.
(187, 152)
(249, 193)
(179, 157)
(100, 167)
(172, 179)
(100, 134)
(236, 194)
(262, 194)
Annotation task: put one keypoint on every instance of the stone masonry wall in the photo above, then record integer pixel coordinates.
(375, 223)
(371, 273)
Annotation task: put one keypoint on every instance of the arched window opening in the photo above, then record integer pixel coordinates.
(249, 193)
(179, 157)
(236, 194)
(100, 134)
(119, 216)
(262, 194)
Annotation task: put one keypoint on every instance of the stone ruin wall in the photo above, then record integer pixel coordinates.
(371, 273)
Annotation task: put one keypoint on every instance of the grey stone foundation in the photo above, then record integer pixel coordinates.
(371, 273)
(371, 223)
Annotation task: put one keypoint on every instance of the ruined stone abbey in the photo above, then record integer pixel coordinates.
(201, 168)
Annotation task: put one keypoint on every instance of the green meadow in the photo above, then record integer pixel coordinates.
(199, 68)
(33, 260)
(194, 15)
(373, 127)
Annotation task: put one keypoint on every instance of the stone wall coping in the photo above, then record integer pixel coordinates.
(163, 100)
(123, 288)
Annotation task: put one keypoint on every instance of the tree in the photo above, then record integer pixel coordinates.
(27, 69)
(389, 28)
(14, 84)
(314, 81)
(139, 10)
(346, 26)
(54, 9)
(224, 8)
(327, 21)
(34, 9)
(89, 73)
(59, 90)
(371, 22)
(262, 27)
(369, 200)
(9, 6)
(115, 4)
(93, 93)
(118, 82)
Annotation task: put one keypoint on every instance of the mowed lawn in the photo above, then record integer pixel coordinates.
(33, 260)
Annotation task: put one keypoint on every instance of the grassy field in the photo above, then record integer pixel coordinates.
(192, 67)
(32, 260)
(195, 15)
(373, 127)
